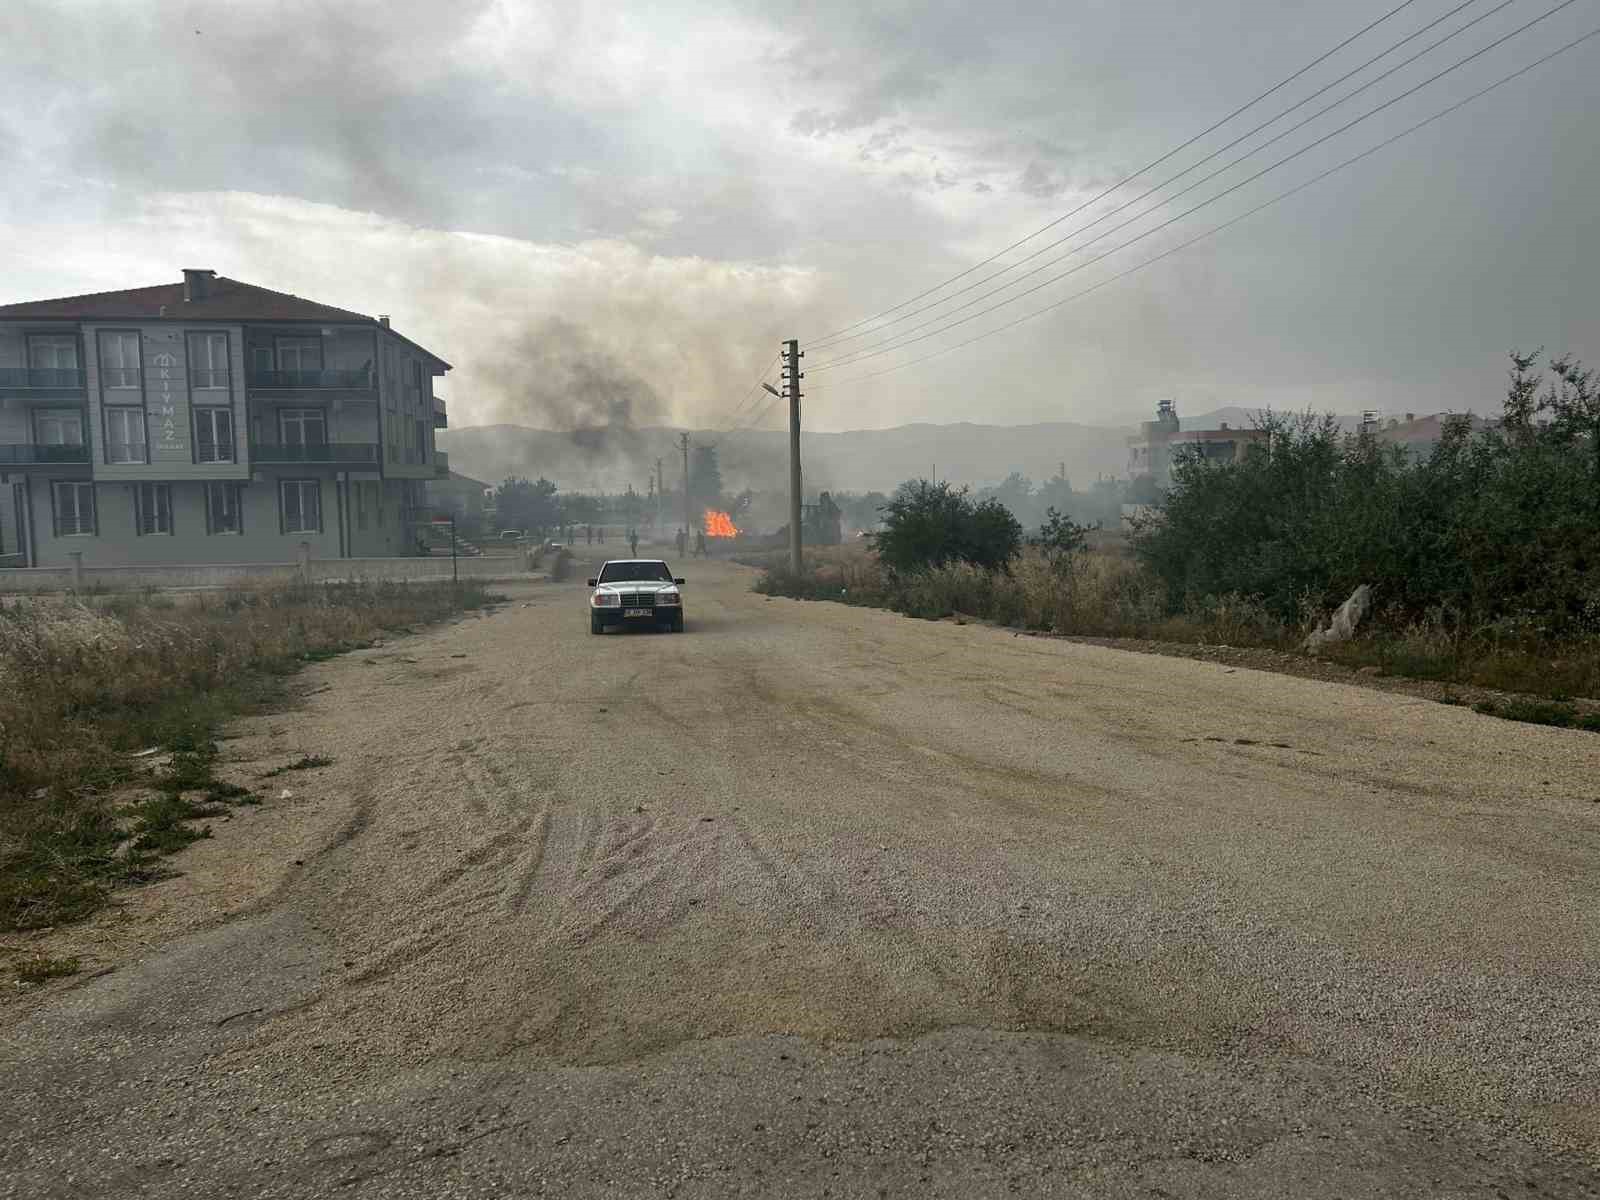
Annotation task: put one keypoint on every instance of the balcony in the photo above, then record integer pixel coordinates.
(441, 464)
(42, 456)
(300, 381)
(324, 453)
(41, 379)
(440, 416)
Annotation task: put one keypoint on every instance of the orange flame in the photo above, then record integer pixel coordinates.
(720, 524)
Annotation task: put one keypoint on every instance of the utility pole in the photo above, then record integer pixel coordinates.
(792, 355)
(661, 491)
(688, 525)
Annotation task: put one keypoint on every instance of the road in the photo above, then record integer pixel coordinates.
(819, 901)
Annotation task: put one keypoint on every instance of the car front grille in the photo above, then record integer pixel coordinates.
(638, 599)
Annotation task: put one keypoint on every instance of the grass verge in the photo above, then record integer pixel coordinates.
(85, 688)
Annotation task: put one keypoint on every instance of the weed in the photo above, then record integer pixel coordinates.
(38, 969)
(309, 762)
(84, 684)
(1540, 712)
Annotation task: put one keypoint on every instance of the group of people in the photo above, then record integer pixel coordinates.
(597, 533)
(699, 543)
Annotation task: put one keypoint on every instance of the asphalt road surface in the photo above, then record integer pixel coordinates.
(818, 901)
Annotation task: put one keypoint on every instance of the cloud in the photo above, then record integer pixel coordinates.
(686, 183)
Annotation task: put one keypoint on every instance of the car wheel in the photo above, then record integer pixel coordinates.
(595, 624)
(677, 623)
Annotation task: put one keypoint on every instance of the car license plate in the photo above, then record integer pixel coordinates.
(636, 612)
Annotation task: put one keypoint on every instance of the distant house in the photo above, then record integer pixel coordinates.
(209, 421)
(1151, 453)
(460, 496)
(1419, 435)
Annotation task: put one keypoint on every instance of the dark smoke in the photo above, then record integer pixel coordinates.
(556, 377)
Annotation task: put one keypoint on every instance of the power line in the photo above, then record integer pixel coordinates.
(1214, 154)
(1039, 312)
(1279, 86)
(867, 352)
(754, 389)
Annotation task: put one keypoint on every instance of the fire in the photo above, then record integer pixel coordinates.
(720, 524)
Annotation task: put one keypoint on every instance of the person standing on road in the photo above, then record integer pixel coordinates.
(633, 543)
(682, 542)
(700, 543)
(588, 535)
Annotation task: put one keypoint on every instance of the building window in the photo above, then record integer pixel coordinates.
(299, 354)
(125, 435)
(208, 360)
(213, 435)
(224, 508)
(73, 504)
(119, 360)
(359, 498)
(300, 505)
(154, 504)
(58, 427)
(52, 352)
(302, 427)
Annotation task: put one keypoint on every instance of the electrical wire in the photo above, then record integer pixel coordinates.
(1208, 158)
(727, 424)
(1389, 141)
(894, 344)
(1150, 166)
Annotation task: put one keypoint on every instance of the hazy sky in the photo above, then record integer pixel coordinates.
(656, 193)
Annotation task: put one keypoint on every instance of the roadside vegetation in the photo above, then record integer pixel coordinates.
(1483, 557)
(91, 691)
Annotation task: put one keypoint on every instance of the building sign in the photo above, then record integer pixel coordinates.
(166, 397)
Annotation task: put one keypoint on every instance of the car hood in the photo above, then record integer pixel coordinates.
(635, 585)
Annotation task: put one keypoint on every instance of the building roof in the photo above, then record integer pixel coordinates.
(224, 300)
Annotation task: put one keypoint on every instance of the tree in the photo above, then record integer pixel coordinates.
(1015, 491)
(1062, 540)
(524, 505)
(932, 524)
(705, 477)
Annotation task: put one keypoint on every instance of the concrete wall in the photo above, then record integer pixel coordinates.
(168, 403)
(222, 575)
(403, 406)
(119, 543)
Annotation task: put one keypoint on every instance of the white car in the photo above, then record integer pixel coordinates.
(635, 591)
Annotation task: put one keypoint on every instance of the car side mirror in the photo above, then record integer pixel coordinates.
(679, 582)
(593, 582)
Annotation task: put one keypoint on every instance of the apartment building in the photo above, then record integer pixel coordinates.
(210, 421)
(1151, 453)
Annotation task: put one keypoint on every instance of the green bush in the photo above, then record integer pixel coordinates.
(1499, 526)
(927, 525)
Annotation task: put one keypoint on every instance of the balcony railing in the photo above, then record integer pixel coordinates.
(441, 418)
(355, 377)
(323, 452)
(29, 455)
(441, 463)
(42, 378)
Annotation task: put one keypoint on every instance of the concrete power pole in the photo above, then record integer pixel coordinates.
(688, 524)
(792, 355)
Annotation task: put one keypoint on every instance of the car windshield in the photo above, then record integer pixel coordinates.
(620, 572)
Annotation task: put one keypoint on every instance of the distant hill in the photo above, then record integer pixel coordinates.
(861, 460)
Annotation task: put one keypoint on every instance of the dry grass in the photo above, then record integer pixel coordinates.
(82, 686)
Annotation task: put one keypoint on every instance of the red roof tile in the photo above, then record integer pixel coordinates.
(226, 300)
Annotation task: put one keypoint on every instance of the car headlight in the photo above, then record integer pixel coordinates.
(605, 600)
(668, 599)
